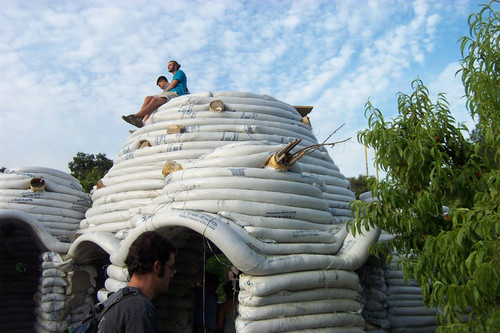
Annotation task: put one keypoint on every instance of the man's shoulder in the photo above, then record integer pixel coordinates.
(127, 296)
(180, 74)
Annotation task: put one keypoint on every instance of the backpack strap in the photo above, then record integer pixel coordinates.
(125, 293)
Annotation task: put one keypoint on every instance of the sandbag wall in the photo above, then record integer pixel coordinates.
(53, 197)
(214, 160)
(392, 304)
(40, 210)
(184, 129)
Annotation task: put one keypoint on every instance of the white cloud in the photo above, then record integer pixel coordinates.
(70, 69)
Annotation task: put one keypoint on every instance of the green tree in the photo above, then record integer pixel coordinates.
(429, 164)
(88, 169)
(359, 184)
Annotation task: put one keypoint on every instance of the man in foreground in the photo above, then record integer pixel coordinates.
(150, 265)
(176, 88)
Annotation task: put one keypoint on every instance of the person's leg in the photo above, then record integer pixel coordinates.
(153, 104)
(147, 100)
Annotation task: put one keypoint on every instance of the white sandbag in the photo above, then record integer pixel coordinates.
(294, 236)
(120, 216)
(118, 273)
(319, 170)
(42, 170)
(402, 297)
(393, 274)
(338, 204)
(19, 184)
(235, 183)
(217, 230)
(159, 158)
(53, 272)
(129, 195)
(105, 227)
(81, 245)
(412, 311)
(252, 173)
(401, 282)
(74, 184)
(52, 306)
(223, 136)
(245, 297)
(136, 169)
(53, 281)
(45, 210)
(337, 197)
(394, 290)
(52, 297)
(55, 218)
(151, 174)
(191, 111)
(298, 309)
(365, 195)
(44, 202)
(412, 321)
(404, 303)
(59, 315)
(244, 207)
(255, 104)
(117, 206)
(244, 220)
(272, 248)
(114, 285)
(53, 187)
(276, 198)
(236, 126)
(52, 289)
(46, 195)
(258, 160)
(303, 323)
(103, 294)
(138, 185)
(267, 285)
(340, 191)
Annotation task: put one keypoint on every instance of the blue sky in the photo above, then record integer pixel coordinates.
(70, 69)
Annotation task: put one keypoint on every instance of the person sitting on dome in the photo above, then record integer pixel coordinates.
(177, 87)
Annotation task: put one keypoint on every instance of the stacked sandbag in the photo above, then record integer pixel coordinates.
(184, 129)
(407, 312)
(265, 208)
(204, 168)
(19, 274)
(373, 288)
(391, 303)
(374, 296)
(312, 301)
(81, 293)
(52, 311)
(53, 197)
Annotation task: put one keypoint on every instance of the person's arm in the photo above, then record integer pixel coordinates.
(172, 85)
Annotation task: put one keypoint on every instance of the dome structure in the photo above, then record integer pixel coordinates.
(40, 210)
(208, 170)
